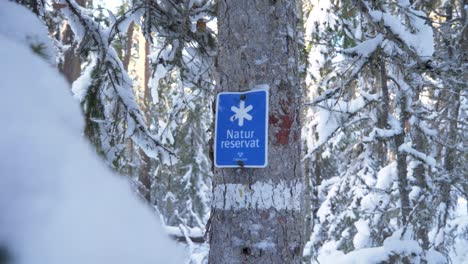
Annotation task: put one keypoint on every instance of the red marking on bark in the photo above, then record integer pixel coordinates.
(282, 122)
(296, 135)
(282, 220)
(264, 215)
(282, 136)
(272, 120)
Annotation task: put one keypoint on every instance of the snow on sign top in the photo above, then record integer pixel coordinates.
(241, 134)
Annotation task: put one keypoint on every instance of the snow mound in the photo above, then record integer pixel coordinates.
(58, 202)
(22, 26)
(394, 250)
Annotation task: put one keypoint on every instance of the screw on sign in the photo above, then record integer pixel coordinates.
(241, 129)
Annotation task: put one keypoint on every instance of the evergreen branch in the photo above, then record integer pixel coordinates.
(141, 136)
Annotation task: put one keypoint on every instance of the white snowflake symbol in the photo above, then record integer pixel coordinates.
(241, 113)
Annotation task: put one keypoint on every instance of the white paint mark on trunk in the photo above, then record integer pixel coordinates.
(265, 245)
(261, 195)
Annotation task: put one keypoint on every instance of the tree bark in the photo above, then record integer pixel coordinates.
(128, 46)
(421, 219)
(452, 99)
(71, 65)
(258, 214)
(145, 171)
(399, 140)
(402, 166)
(383, 112)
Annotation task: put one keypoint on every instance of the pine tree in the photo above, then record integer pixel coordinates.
(133, 123)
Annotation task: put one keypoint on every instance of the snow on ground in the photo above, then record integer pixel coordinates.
(22, 26)
(393, 246)
(58, 202)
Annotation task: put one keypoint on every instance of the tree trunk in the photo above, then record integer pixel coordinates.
(257, 214)
(145, 171)
(463, 57)
(452, 99)
(383, 112)
(71, 65)
(422, 216)
(398, 139)
(402, 166)
(128, 46)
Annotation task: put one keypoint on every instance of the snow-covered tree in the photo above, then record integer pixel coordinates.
(369, 79)
(59, 203)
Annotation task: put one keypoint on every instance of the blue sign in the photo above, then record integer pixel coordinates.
(241, 134)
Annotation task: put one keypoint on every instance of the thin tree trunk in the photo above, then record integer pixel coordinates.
(399, 140)
(145, 169)
(71, 65)
(128, 46)
(308, 202)
(453, 101)
(257, 214)
(422, 218)
(384, 110)
(402, 166)
(449, 160)
(136, 62)
(464, 57)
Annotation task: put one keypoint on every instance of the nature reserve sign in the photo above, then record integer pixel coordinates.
(241, 134)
